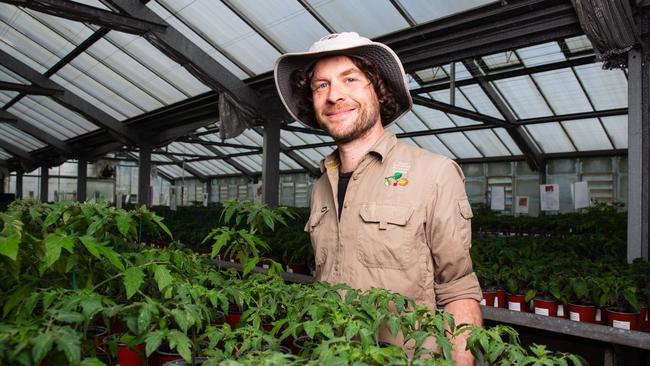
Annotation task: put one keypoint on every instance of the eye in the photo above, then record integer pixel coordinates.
(320, 86)
(351, 79)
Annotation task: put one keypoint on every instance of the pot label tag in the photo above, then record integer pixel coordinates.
(483, 302)
(541, 311)
(620, 324)
(574, 316)
(597, 318)
(560, 310)
(514, 306)
(496, 301)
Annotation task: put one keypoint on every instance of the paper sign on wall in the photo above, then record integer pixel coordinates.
(498, 198)
(521, 205)
(549, 197)
(581, 195)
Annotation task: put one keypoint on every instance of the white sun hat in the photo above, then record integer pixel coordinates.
(351, 44)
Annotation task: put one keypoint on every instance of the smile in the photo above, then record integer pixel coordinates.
(339, 113)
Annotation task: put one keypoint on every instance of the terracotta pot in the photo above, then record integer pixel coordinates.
(622, 318)
(488, 297)
(517, 303)
(500, 300)
(582, 312)
(546, 306)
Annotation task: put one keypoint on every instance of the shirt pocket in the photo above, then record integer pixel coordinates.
(463, 221)
(320, 237)
(386, 240)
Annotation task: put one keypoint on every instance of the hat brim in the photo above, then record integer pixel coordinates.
(387, 62)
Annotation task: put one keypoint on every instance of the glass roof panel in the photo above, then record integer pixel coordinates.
(433, 118)
(409, 123)
(459, 145)
(550, 137)
(563, 91)
(433, 144)
(487, 142)
(480, 101)
(224, 28)
(578, 44)
(6, 96)
(523, 97)
(5, 155)
(587, 134)
(160, 158)
(91, 90)
(51, 117)
(19, 138)
(288, 162)
(116, 82)
(284, 21)
(253, 163)
(607, 89)
(144, 52)
(431, 74)
(95, 3)
(11, 77)
(424, 11)
(196, 39)
(461, 102)
(616, 127)
(369, 18)
(507, 140)
(136, 73)
(541, 54)
(27, 51)
(73, 31)
(501, 60)
(173, 171)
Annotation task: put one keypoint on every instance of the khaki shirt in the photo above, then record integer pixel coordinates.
(405, 225)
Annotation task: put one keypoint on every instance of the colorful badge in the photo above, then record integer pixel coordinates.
(396, 179)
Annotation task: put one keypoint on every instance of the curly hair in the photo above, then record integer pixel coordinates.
(301, 88)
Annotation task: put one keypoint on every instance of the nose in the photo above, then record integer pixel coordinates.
(335, 93)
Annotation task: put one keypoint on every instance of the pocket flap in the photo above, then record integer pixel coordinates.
(465, 209)
(315, 217)
(386, 214)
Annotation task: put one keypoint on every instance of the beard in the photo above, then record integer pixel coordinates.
(344, 133)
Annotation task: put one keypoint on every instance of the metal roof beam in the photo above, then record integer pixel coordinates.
(448, 108)
(29, 89)
(517, 133)
(196, 140)
(62, 147)
(90, 14)
(574, 116)
(202, 177)
(102, 119)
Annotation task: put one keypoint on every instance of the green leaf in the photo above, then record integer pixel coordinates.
(181, 319)
(159, 221)
(67, 316)
(53, 244)
(53, 216)
(91, 245)
(163, 277)
(91, 306)
(42, 345)
(250, 265)
(68, 342)
(352, 330)
(152, 341)
(15, 299)
(393, 325)
(181, 343)
(112, 256)
(124, 222)
(310, 328)
(397, 175)
(9, 246)
(96, 224)
(92, 362)
(144, 319)
(133, 279)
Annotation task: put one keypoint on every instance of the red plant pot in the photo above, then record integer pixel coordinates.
(642, 322)
(162, 356)
(96, 336)
(233, 319)
(500, 300)
(488, 297)
(546, 307)
(517, 303)
(584, 313)
(620, 318)
(131, 356)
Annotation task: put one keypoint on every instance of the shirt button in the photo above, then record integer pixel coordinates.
(355, 177)
(345, 205)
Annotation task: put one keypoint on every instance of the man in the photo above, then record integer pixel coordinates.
(384, 214)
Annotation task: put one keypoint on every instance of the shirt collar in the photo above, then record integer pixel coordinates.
(381, 148)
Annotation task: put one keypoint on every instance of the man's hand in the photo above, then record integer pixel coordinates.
(465, 311)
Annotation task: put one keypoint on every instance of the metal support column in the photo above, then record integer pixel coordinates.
(144, 176)
(638, 162)
(19, 185)
(45, 178)
(208, 189)
(271, 165)
(82, 179)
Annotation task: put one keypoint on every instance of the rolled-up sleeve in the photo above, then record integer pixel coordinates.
(449, 236)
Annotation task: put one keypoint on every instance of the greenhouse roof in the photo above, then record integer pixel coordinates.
(85, 78)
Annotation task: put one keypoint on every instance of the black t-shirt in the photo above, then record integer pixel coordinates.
(344, 179)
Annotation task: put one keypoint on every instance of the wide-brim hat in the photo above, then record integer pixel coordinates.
(349, 44)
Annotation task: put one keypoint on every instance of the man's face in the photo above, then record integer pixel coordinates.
(345, 102)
